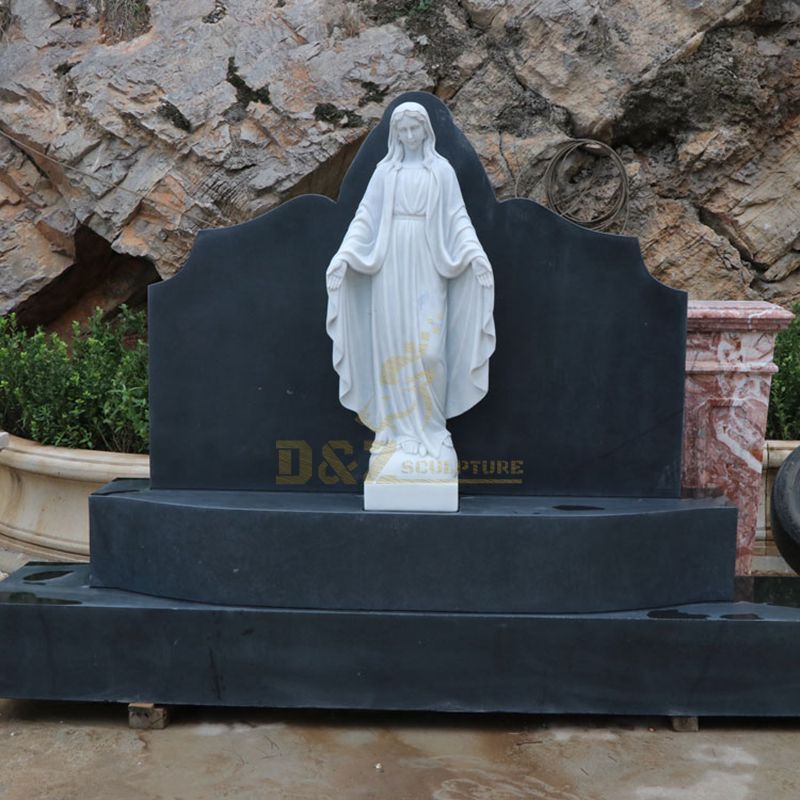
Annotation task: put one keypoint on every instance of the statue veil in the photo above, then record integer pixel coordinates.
(394, 156)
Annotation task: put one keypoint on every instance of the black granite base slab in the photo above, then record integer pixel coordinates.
(497, 554)
(63, 640)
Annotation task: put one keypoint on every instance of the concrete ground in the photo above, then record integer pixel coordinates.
(11, 560)
(63, 751)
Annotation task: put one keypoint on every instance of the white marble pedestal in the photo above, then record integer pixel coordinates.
(399, 481)
(408, 496)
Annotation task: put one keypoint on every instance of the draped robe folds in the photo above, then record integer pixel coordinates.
(412, 327)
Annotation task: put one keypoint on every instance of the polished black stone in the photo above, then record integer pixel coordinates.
(785, 511)
(586, 385)
(497, 554)
(64, 641)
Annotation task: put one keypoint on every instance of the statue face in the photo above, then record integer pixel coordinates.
(411, 133)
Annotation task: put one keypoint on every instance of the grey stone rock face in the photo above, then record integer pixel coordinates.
(36, 229)
(208, 112)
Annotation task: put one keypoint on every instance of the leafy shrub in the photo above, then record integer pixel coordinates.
(93, 396)
(783, 421)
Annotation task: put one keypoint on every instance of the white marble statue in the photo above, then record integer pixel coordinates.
(410, 300)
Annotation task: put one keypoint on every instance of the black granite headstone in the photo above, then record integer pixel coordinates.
(586, 384)
(289, 594)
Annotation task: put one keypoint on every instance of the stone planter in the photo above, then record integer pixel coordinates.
(44, 491)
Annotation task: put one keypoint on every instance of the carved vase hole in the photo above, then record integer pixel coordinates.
(50, 575)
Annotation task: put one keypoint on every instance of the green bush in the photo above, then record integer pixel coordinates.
(783, 421)
(93, 396)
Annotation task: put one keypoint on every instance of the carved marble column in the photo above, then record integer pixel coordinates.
(729, 369)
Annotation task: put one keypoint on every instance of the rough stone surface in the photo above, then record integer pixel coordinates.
(217, 110)
(36, 229)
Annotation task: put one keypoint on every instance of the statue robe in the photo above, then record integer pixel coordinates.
(412, 328)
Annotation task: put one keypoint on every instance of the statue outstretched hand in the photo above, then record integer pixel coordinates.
(483, 272)
(335, 273)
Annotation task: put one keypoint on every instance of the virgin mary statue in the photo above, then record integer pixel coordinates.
(410, 300)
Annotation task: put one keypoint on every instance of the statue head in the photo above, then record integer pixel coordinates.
(399, 128)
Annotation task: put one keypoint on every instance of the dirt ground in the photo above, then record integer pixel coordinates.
(64, 751)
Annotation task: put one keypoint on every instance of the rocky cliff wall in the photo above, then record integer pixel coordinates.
(130, 125)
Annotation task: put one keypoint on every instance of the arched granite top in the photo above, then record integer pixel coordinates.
(586, 384)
